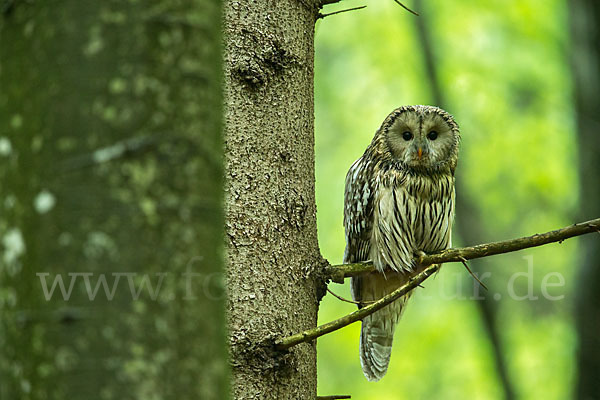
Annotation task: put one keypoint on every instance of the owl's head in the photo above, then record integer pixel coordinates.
(421, 138)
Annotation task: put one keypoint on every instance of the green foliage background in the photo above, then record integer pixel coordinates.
(504, 72)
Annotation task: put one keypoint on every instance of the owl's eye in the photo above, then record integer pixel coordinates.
(432, 135)
(407, 135)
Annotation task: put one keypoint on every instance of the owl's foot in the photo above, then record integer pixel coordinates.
(419, 255)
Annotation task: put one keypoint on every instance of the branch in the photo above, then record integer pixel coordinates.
(335, 272)
(357, 315)
(346, 300)
(406, 8)
(320, 16)
(326, 2)
(432, 263)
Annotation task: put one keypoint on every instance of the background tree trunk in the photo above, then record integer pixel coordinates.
(110, 163)
(469, 227)
(585, 19)
(270, 198)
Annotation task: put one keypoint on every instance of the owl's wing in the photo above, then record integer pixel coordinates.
(358, 211)
(377, 331)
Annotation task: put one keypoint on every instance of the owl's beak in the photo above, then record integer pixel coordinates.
(420, 153)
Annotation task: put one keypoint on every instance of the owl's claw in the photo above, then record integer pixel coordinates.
(419, 255)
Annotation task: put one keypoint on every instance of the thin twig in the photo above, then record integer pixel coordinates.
(433, 261)
(406, 8)
(360, 303)
(464, 262)
(319, 15)
(339, 396)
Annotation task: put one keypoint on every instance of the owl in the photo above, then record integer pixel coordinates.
(398, 202)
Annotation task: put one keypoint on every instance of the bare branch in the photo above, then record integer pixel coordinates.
(349, 301)
(464, 261)
(326, 2)
(357, 315)
(319, 15)
(406, 8)
(434, 262)
(337, 272)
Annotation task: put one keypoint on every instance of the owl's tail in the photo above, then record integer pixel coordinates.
(377, 332)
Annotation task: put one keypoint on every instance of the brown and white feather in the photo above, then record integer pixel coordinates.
(395, 206)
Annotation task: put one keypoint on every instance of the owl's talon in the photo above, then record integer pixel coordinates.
(419, 256)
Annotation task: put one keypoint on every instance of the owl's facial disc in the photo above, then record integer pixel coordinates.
(421, 140)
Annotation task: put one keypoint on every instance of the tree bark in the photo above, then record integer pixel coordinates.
(110, 163)
(273, 252)
(584, 18)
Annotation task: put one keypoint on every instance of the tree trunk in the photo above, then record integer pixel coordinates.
(270, 198)
(585, 19)
(110, 167)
